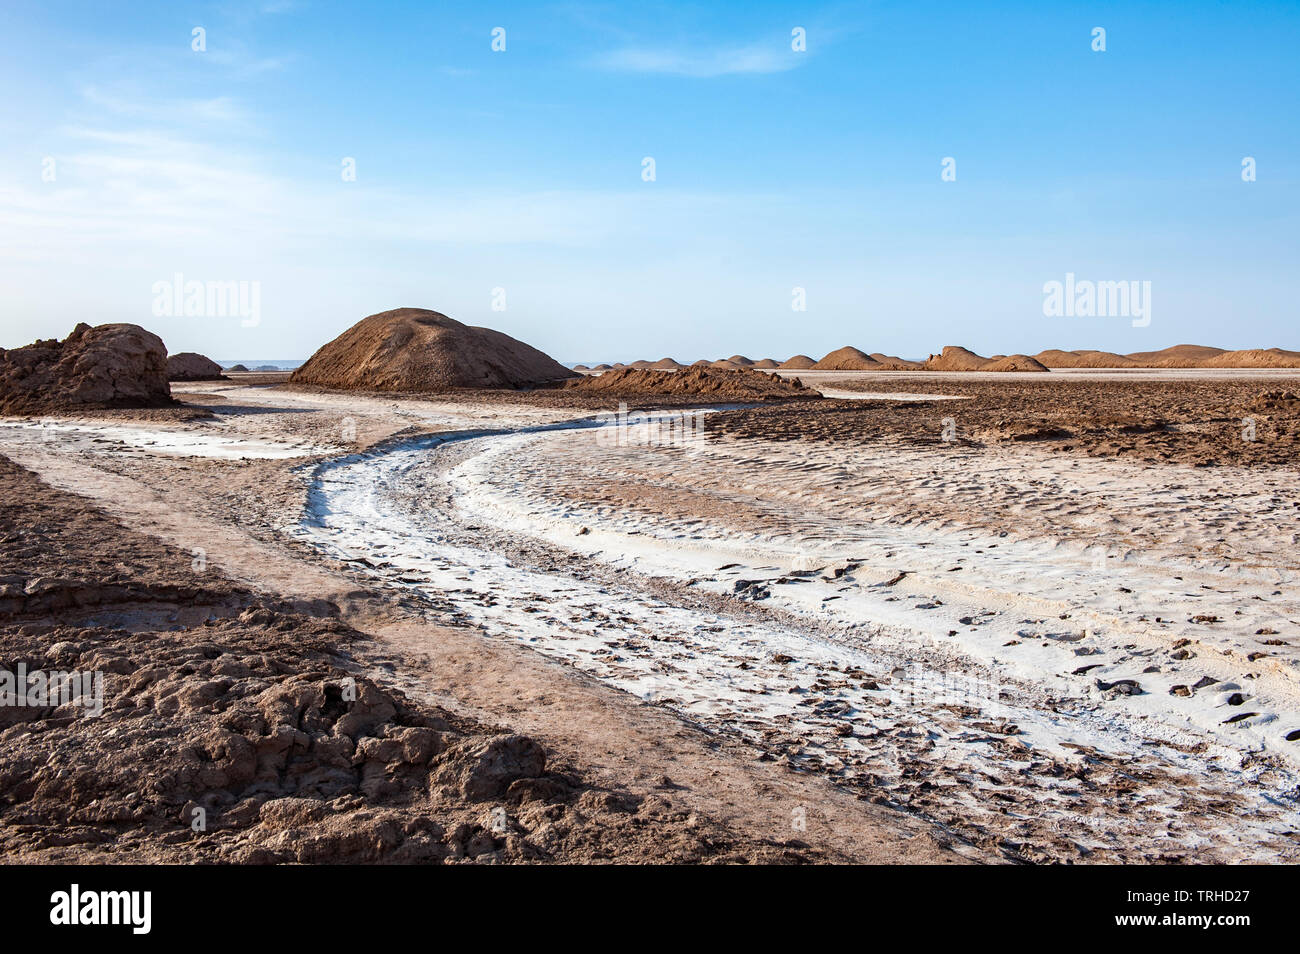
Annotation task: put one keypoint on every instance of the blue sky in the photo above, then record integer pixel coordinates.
(775, 169)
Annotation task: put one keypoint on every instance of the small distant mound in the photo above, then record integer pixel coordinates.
(618, 364)
(188, 366)
(643, 363)
(765, 364)
(726, 364)
(800, 362)
(601, 367)
(267, 367)
(1055, 358)
(1178, 356)
(581, 367)
(741, 361)
(955, 358)
(666, 364)
(718, 384)
(1014, 362)
(237, 368)
(889, 362)
(415, 349)
(847, 359)
(1253, 358)
(116, 365)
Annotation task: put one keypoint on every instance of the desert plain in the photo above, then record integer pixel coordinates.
(896, 616)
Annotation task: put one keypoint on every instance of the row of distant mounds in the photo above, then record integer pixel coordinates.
(723, 384)
(1179, 356)
(114, 365)
(955, 358)
(846, 359)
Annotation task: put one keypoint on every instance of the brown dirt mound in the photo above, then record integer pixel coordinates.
(1014, 362)
(889, 362)
(847, 359)
(1253, 358)
(741, 360)
(955, 358)
(1275, 402)
(643, 363)
(601, 367)
(414, 349)
(1178, 356)
(800, 362)
(738, 385)
(726, 364)
(188, 366)
(766, 364)
(117, 365)
(581, 367)
(238, 368)
(1055, 358)
(666, 364)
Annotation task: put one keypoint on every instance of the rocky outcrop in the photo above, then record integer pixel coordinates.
(117, 365)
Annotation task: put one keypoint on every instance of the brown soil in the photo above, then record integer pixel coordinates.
(800, 362)
(106, 366)
(1197, 423)
(414, 349)
(666, 364)
(710, 383)
(766, 364)
(253, 714)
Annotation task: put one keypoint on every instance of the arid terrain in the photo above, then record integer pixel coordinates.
(934, 617)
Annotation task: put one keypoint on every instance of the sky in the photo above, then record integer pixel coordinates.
(510, 187)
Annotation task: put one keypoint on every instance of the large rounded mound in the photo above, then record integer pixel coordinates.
(800, 362)
(847, 359)
(188, 366)
(741, 384)
(414, 349)
(115, 365)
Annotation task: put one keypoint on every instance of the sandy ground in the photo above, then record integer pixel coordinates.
(822, 624)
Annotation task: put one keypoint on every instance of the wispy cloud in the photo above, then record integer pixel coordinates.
(701, 63)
